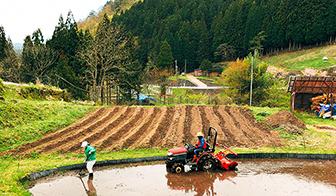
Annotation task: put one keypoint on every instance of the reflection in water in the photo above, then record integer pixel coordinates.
(91, 191)
(202, 183)
(276, 177)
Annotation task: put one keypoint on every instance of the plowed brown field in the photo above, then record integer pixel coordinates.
(137, 127)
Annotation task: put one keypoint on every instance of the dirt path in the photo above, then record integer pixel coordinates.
(195, 81)
(117, 128)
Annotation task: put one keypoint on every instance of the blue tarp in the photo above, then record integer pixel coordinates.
(142, 97)
(328, 108)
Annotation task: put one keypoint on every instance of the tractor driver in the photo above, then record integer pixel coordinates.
(201, 146)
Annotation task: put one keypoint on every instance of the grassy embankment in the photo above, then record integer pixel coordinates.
(300, 60)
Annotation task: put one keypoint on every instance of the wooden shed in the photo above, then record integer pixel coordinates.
(302, 88)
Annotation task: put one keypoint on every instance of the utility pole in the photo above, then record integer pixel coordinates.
(185, 66)
(176, 69)
(251, 79)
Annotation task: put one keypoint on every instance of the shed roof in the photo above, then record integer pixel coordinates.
(312, 84)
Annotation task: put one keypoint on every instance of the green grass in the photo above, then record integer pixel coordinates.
(178, 77)
(299, 60)
(27, 120)
(262, 112)
(312, 119)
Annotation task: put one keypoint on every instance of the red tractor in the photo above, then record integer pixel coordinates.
(177, 158)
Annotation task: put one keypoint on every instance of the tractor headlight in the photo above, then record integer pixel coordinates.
(169, 154)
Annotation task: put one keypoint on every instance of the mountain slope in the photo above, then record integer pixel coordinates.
(110, 8)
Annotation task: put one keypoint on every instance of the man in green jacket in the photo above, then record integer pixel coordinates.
(90, 158)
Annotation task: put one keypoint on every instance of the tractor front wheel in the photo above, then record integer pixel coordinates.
(177, 168)
(169, 167)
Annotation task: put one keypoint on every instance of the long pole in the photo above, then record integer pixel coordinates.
(251, 82)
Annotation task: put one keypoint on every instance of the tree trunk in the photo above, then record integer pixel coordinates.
(289, 45)
(102, 93)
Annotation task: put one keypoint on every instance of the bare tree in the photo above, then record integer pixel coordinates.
(103, 55)
(37, 60)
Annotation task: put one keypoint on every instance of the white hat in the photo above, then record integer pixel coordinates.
(84, 144)
(199, 134)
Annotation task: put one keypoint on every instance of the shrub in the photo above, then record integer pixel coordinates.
(41, 92)
(238, 77)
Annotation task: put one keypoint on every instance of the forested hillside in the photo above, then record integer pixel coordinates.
(196, 29)
(110, 8)
(155, 34)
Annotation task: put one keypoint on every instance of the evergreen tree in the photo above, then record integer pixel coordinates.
(257, 42)
(9, 65)
(37, 58)
(204, 47)
(165, 58)
(225, 52)
(66, 41)
(253, 24)
(37, 37)
(331, 23)
(3, 43)
(206, 66)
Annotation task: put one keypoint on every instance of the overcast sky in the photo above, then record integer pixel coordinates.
(22, 17)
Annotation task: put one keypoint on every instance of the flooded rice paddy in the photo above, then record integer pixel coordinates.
(254, 177)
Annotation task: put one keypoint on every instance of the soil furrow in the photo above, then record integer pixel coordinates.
(123, 130)
(229, 124)
(187, 125)
(196, 124)
(173, 135)
(248, 136)
(140, 127)
(101, 133)
(63, 143)
(161, 130)
(260, 134)
(121, 119)
(248, 115)
(84, 122)
(143, 142)
(143, 119)
(205, 120)
(140, 132)
(231, 140)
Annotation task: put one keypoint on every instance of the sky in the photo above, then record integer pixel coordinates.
(22, 17)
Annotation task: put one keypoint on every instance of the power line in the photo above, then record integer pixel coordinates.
(71, 84)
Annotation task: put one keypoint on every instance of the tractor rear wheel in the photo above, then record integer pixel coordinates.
(207, 163)
(177, 168)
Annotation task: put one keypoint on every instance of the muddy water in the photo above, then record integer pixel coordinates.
(254, 177)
